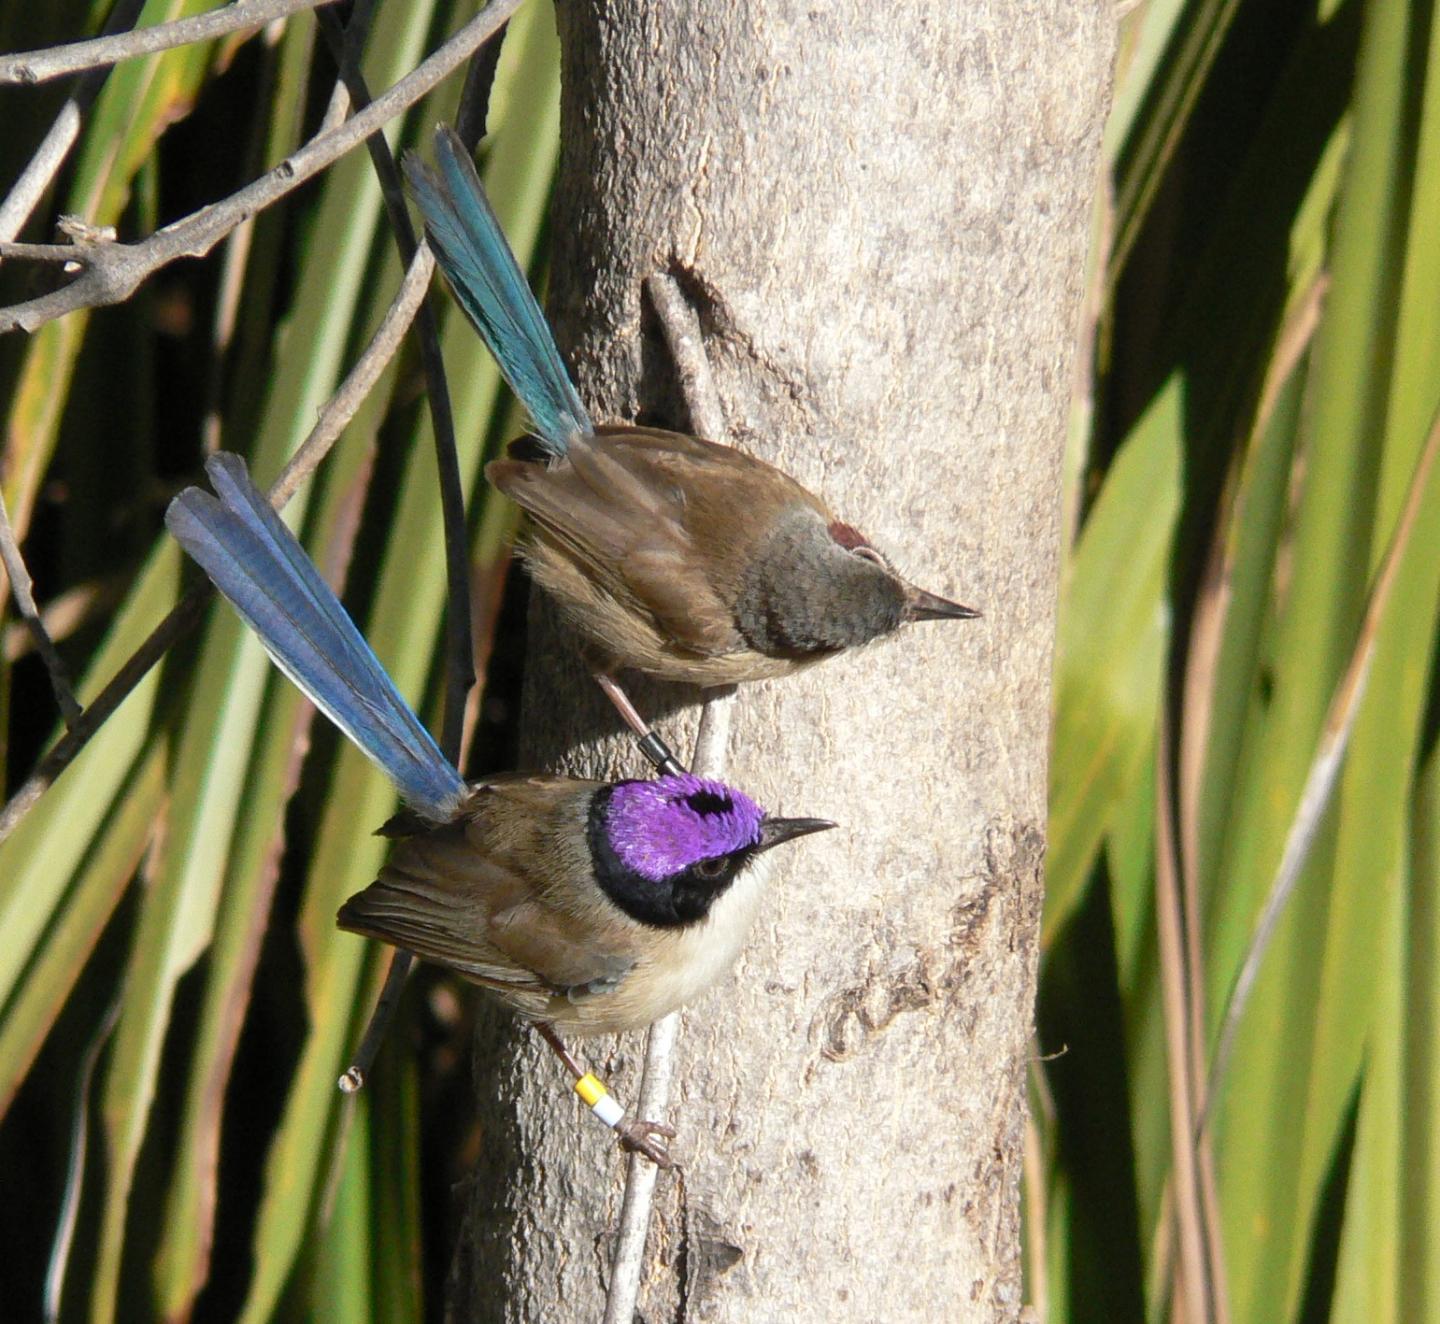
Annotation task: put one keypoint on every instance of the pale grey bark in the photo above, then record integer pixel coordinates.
(882, 212)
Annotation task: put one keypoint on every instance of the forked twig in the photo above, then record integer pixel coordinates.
(113, 271)
(183, 617)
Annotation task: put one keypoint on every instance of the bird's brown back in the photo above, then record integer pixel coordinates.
(661, 524)
(488, 893)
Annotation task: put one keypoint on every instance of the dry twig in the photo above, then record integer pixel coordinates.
(183, 617)
(74, 57)
(113, 271)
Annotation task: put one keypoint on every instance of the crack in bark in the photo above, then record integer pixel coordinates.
(1014, 855)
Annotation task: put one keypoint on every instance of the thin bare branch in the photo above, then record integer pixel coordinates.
(641, 1175)
(353, 1079)
(709, 759)
(23, 591)
(61, 135)
(345, 42)
(66, 254)
(114, 271)
(682, 333)
(343, 405)
(42, 168)
(686, 344)
(187, 612)
(101, 52)
(1324, 770)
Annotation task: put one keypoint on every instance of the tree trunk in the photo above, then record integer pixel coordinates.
(881, 213)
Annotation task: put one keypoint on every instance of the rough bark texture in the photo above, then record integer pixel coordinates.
(881, 212)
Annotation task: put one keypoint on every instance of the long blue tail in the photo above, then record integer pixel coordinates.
(471, 250)
(256, 563)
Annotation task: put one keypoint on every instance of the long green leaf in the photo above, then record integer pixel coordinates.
(38, 860)
(1108, 679)
(1416, 1027)
(177, 923)
(1282, 1113)
(1370, 974)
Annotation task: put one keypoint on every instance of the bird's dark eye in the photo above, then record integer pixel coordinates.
(710, 870)
(869, 554)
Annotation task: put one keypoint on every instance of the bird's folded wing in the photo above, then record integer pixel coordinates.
(624, 517)
(442, 901)
(551, 944)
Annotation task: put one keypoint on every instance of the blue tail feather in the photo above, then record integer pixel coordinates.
(256, 563)
(471, 250)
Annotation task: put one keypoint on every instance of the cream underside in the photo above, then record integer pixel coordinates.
(677, 969)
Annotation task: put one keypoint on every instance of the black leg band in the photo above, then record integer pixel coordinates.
(660, 755)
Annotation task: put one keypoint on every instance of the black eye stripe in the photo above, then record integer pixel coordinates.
(684, 897)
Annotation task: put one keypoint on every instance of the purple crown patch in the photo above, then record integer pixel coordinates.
(660, 828)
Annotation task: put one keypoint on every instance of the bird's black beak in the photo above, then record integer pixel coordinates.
(775, 830)
(923, 606)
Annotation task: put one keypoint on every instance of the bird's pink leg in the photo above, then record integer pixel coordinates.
(636, 1135)
(651, 745)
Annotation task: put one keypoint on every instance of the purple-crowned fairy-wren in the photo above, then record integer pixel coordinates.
(584, 906)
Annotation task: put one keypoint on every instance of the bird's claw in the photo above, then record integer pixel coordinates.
(637, 1136)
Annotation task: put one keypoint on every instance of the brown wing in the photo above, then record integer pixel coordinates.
(472, 894)
(554, 946)
(660, 520)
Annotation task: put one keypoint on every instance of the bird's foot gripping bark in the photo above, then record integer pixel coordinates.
(638, 1136)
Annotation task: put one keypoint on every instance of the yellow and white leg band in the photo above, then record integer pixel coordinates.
(602, 1103)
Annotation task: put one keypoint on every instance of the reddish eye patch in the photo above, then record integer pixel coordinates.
(846, 536)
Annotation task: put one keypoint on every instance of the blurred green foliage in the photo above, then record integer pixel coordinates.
(1265, 379)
